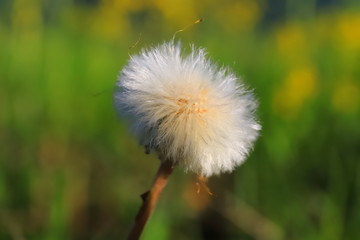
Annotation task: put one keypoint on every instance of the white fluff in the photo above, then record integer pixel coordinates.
(187, 109)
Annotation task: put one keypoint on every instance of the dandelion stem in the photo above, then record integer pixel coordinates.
(150, 198)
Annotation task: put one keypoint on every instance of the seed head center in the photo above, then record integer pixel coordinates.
(192, 104)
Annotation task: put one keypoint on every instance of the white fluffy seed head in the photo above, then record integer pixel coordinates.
(187, 109)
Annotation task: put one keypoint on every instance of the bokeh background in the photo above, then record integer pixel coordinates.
(70, 169)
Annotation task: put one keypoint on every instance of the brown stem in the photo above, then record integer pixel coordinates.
(150, 198)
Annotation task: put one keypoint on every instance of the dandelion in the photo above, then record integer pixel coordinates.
(188, 110)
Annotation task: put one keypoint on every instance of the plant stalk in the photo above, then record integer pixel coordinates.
(150, 198)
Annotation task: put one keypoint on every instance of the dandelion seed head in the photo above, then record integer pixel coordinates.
(187, 109)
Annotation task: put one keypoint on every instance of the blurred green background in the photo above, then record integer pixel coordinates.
(70, 169)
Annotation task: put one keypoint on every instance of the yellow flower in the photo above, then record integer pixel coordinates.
(241, 15)
(348, 27)
(177, 11)
(290, 40)
(298, 87)
(345, 98)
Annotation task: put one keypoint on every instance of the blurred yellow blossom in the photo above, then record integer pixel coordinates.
(298, 87)
(110, 20)
(26, 18)
(240, 15)
(324, 28)
(345, 98)
(129, 5)
(290, 40)
(179, 12)
(348, 26)
(107, 20)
